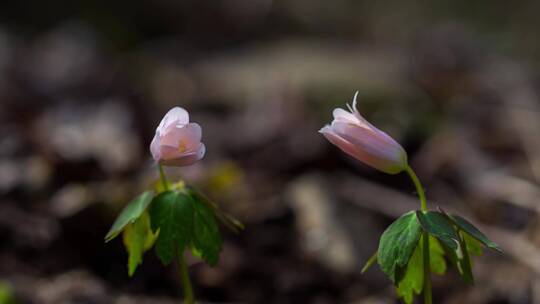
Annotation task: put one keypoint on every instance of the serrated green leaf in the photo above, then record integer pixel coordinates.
(438, 226)
(369, 262)
(138, 238)
(397, 244)
(470, 247)
(436, 256)
(129, 214)
(206, 237)
(466, 226)
(457, 258)
(225, 218)
(412, 280)
(464, 263)
(474, 247)
(172, 213)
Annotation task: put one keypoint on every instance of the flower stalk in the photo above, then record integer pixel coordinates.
(163, 178)
(419, 188)
(186, 282)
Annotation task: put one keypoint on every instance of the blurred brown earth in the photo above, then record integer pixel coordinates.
(84, 84)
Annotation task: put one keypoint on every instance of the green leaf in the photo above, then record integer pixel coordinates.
(172, 213)
(471, 246)
(436, 256)
(7, 295)
(474, 247)
(206, 240)
(370, 262)
(466, 226)
(412, 281)
(397, 244)
(226, 219)
(412, 277)
(438, 226)
(464, 263)
(130, 214)
(138, 238)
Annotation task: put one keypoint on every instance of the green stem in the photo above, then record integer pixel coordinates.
(186, 282)
(163, 178)
(419, 188)
(182, 265)
(428, 299)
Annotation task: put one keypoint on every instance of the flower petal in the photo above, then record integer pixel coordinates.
(176, 115)
(177, 142)
(154, 147)
(372, 142)
(353, 134)
(359, 154)
(172, 157)
(350, 118)
(194, 132)
(186, 138)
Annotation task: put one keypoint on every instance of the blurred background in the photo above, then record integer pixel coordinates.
(83, 84)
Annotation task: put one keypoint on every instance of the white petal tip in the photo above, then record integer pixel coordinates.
(324, 129)
(354, 100)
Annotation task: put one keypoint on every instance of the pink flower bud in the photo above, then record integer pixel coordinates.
(177, 141)
(357, 137)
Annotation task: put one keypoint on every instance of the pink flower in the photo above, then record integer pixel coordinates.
(177, 141)
(357, 137)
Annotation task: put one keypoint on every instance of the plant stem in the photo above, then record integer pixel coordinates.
(428, 299)
(163, 178)
(182, 265)
(186, 282)
(419, 188)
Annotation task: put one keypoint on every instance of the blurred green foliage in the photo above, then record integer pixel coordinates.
(6, 293)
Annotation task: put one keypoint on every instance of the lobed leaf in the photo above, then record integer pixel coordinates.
(457, 258)
(172, 213)
(412, 278)
(138, 238)
(438, 226)
(466, 226)
(129, 214)
(474, 247)
(226, 219)
(206, 239)
(436, 256)
(397, 244)
(464, 263)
